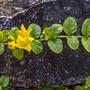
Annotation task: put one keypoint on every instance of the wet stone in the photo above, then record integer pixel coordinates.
(4, 62)
(68, 68)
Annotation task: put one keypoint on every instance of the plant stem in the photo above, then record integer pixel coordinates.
(4, 43)
(42, 39)
(66, 36)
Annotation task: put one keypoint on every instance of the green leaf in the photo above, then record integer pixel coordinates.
(36, 46)
(86, 28)
(50, 33)
(5, 35)
(18, 53)
(36, 30)
(73, 42)
(4, 81)
(45, 88)
(14, 31)
(1, 35)
(6, 88)
(0, 87)
(1, 49)
(86, 86)
(70, 26)
(56, 45)
(57, 28)
(82, 88)
(86, 43)
(87, 83)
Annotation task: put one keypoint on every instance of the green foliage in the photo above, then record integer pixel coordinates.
(18, 53)
(36, 30)
(1, 48)
(4, 82)
(52, 32)
(86, 85)
(56, 45)
(86, 28)
(1, 36)
(73, 42)
(5, 35)
(37, 46)
(86, 43)
(14, 31)
(86, 32)
(70, 26)
(57, 28)
(48, 33)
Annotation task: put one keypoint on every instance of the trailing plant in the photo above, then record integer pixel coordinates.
(20, 40)
(4, 82)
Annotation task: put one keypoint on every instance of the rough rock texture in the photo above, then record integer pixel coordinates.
(68, 68)
(11, 7)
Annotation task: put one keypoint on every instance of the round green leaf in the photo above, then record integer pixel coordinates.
(1, 48)
(14, 31)
(5, 35)
(86, 27)
(4, 81)
(18, 53)
(36, 30)
(50, 33)
(1, 88)
(57, 28)
(73, 42)
(86, 43)
(56, 45)
(6, 88)
(36, 46)
(70, 26)
(87, 83)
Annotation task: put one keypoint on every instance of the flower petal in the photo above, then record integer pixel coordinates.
(29, 31)
(28, 48)
(23, 31)
(11, 45)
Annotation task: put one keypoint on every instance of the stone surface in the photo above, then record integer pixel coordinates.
(68, 68)
(11, 7)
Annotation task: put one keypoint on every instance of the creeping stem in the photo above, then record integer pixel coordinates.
(43, 39)
(66, 36)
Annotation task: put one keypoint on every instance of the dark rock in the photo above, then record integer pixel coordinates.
(4, 23)
(68, 68)
(12, 7)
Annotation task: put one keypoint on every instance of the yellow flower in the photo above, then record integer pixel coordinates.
(28, 48)
(11, 45)
(24, 39)
(24, 42)
(23, 32)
